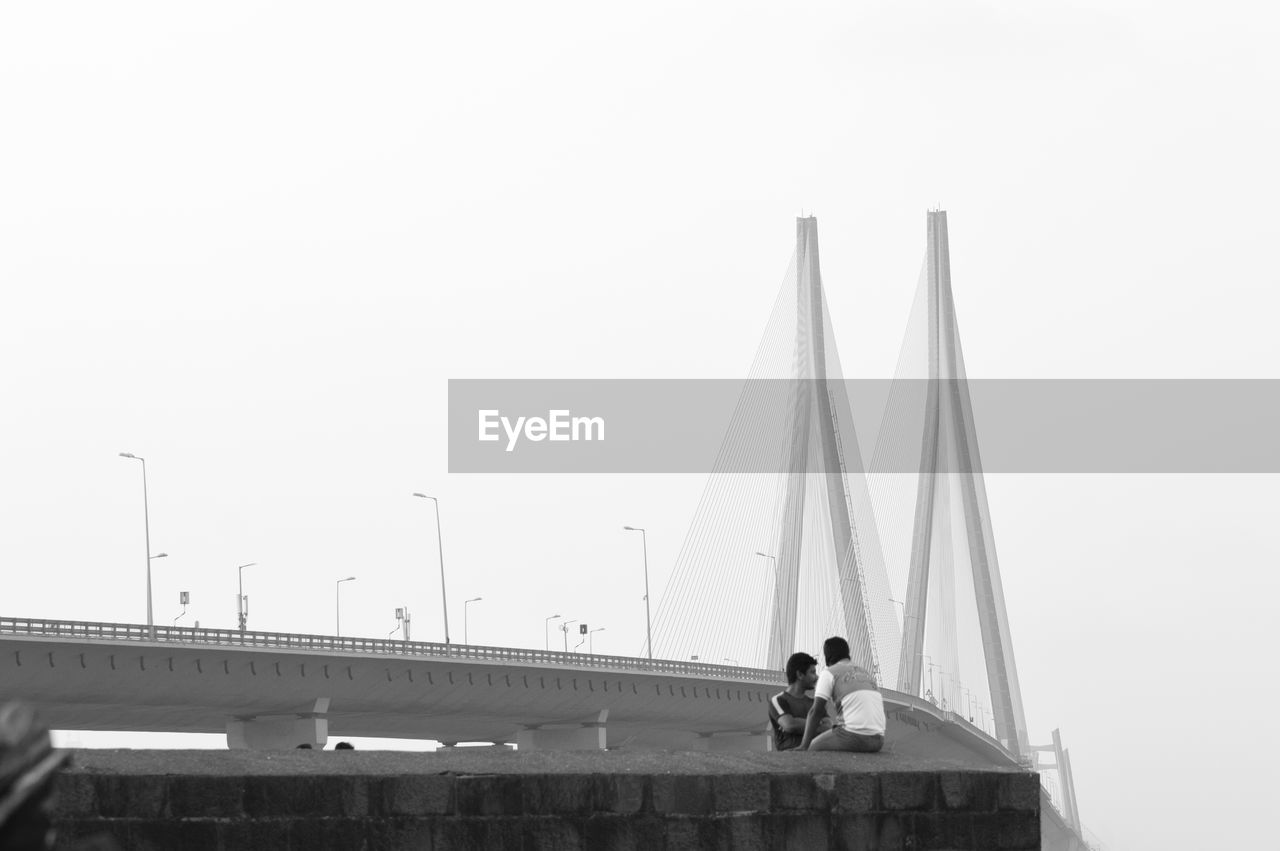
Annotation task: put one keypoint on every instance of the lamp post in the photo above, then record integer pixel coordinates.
(242, 602)
(591, 642)
(146, 526)
(943, 676)
(464, 617)
(440, 546)
(564, 627)
(777, 606)
(151, 559)
(337, 617)
(648, 624)
(546, 631)
(904, 611)
(774, 564)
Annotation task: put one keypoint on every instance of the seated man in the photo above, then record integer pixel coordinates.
(789, 709)
(854, 690)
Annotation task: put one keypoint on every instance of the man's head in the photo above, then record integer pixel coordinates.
(835, 649)
(802, 666)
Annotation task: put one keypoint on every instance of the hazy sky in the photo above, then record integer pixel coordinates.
(253, 245)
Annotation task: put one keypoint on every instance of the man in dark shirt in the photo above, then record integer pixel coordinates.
(788, 709)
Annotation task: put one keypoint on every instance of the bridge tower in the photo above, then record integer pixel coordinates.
(950, 463)
(787, 485)
(815, 416)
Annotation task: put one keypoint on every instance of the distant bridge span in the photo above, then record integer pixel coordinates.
(253, 685)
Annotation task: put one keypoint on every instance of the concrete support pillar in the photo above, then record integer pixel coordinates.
(280, 732)
(276, 732)
(574, 736)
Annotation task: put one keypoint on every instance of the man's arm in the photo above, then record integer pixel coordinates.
(816, 713)
(786, 722)
(791, 724)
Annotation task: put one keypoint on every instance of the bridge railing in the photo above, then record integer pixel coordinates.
(103, 631)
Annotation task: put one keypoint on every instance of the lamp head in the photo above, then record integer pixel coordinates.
(127, 455)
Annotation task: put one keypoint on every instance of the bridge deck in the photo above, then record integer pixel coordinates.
(118, 677)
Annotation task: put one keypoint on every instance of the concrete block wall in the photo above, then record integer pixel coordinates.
(963, 809)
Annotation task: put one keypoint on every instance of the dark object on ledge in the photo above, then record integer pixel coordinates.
(27, 765)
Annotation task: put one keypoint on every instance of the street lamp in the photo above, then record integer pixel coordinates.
(546, 631)
(564, 627)
(774, 565)
(440, 545)
(777, 608)
(242, 602)
(943, 677)
(337, 593)
(146, 526)
(464, 617)
(648, 624)
(904, 611)
(153, 558)
(591, 642)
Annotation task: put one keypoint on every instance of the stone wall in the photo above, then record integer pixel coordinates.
(345, 805)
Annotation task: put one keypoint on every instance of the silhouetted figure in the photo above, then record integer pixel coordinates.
(344, 746)
(304, 747)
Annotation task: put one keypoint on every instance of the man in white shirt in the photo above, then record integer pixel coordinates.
(854, 690)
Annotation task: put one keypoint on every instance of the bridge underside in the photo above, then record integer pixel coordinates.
(137, 686)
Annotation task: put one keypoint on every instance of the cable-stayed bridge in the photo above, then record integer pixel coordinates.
(802, 549)
(773, 562)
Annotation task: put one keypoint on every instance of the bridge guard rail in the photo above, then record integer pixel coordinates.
(63, 629)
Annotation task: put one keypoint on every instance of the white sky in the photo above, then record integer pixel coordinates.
(253, 244)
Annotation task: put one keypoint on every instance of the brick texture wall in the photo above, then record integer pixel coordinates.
(991, 811)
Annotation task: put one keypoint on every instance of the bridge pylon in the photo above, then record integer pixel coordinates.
(950, 472)
(817, 405)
